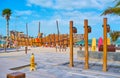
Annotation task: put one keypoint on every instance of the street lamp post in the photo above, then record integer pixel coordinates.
(16, 34)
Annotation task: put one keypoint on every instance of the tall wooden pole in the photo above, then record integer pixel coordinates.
(105, 45)
(49, 37)
(27, 38)
(67, 40)
(39, 35)
(86, 43)
(27, 29)
(39, 28)
(58, 31)
(71, 44)
(54, 40)
(45, 39)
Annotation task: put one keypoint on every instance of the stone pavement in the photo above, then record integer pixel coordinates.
(50, 64)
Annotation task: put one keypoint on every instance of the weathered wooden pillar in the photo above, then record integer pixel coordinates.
(54, 40)
(67, 40)
(105, 44)
(27, 34)
(58, 33)
(86, 44)
(71, 44)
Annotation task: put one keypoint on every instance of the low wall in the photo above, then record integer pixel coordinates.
(114, 56)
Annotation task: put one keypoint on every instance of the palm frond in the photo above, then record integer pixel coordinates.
(118, 4)
(116, 0)
(111, 10)
(6, 13)
(114, 36)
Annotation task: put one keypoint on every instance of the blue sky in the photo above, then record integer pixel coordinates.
(48, 11)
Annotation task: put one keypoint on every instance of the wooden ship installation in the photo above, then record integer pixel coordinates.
(50, 40)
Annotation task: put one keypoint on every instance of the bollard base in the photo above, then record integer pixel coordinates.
(32, 69)
(16, 75)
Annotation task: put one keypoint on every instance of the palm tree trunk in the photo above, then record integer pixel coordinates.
(7, 30)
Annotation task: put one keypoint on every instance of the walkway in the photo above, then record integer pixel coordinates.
(50, 64)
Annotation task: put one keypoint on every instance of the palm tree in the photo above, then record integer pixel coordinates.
(113, 10)
(114, 36)
(7, 13)
(116, 11)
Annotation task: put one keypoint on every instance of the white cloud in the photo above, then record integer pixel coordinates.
(50, 26)
(68, 13)
(71, 4)
(44, 3)
(94, 20)
(26, 12)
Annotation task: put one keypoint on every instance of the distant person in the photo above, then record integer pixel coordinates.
(60, 47)
(80, 47)
(52, 45)
(90, 47)
(46, 45)
(7, 43)
(11, 44)
(15, 43)
(65, 47)
(56, 47)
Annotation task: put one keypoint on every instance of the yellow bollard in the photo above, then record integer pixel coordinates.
(32, 63)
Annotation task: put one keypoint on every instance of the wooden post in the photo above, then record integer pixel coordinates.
(71, 44)
(39, 29)
(27, 34)
(67, 40)
(41, 41)
(86, 43)
(105, 45)
(45, 40)
(27, 29)
(39, 35)
(58, 33)
(54, 40)
(27, 38)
